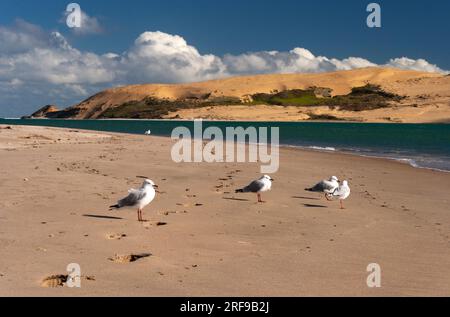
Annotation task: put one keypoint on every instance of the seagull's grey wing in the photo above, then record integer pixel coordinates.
(254, 187)
(132, 199)
(322, 187)
(341, 191)
(329, 186)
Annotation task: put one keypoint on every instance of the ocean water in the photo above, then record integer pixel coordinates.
(420, 145)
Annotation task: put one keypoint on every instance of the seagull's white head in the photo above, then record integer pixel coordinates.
(345, 183)
(268, 178)
(334, 179)
(149, 182)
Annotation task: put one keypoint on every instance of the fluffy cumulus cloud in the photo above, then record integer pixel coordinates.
(415, 64)
(297, 60)
(89, 25)
(39, 67)
(161, 57)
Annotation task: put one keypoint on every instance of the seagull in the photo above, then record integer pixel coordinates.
(326, 186)
(139, 198)
(342, 193)
(259, 186)
(148, 132)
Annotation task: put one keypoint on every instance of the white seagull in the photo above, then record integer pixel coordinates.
(342, 193)
(259, 186)
(326, 186)
(139, 198)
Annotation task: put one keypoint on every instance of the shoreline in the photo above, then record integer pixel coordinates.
(403, 160)
(242, 121)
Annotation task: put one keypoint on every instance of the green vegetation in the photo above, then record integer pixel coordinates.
(368, 97)
(324, 117)
(295, 97)
(153, 108)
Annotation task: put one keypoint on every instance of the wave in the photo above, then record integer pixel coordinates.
(441, 164)
(321, 148)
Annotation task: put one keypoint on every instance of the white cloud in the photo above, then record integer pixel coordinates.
(161, 57)
(89, 25)
(415, 64)
(21, 37)
(47, 69)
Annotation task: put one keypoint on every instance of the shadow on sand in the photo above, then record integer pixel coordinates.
(236, 199)
(103, 217)
(314, 206)
(302, 197)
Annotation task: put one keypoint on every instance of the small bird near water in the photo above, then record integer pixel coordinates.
(139, 198)
(259, 186)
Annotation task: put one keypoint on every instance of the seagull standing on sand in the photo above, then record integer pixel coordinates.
(326, 186)
(139, 198)
(259, 186)
(342, 193)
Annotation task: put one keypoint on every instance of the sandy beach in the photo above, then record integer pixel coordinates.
(202, 239)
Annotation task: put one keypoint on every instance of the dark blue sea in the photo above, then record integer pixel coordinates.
(420, 145)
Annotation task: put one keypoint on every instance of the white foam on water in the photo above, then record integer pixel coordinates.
(320, 148)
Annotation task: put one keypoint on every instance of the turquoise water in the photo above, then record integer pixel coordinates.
(421, 145)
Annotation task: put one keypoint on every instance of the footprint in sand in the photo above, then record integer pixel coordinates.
(167, 213)
(149, 224)
(54, 281)
(128, 258)
(60, 280)
(116, 236)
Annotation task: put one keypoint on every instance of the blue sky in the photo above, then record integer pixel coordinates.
(215, 29)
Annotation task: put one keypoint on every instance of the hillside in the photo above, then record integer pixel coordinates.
(394, 96)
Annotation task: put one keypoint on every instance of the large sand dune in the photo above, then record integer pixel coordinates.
(428, 95)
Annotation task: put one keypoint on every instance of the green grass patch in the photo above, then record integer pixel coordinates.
(368, 97)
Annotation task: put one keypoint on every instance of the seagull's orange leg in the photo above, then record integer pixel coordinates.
(139, 215)
(342, 204)
(260, 199)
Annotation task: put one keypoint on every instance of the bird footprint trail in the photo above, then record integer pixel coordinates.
(116, 236)
(128, 258)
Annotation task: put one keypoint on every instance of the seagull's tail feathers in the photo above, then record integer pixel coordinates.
(309, 189)
(240, 191)
(114, 207)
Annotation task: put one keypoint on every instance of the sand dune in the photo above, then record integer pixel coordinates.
(428, 95)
